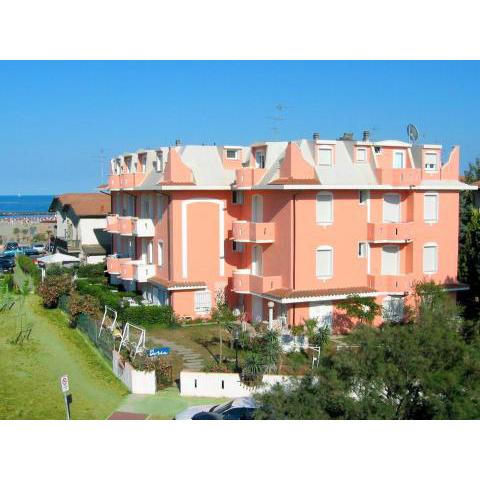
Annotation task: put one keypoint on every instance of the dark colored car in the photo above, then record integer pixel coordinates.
(7, 264)
(11, 246)
(28, 251)
(233, 414)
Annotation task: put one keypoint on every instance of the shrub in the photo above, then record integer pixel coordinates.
(215, 367)
(52, 288)
(101, 293)
(91, 271)
(149, 315)
(83, 303)
(28, 266)
(59, 270)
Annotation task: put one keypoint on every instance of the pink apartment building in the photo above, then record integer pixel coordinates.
(285, 228)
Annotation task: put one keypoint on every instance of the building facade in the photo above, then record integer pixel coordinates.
(80, 228)
(285, 229)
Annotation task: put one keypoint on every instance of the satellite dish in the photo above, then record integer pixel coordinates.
(412, 132)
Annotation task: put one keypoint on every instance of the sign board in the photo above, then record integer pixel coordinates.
(64, 383)
(157, 351)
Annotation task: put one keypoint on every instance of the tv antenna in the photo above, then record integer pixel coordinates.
(412, 132)
(278, 118)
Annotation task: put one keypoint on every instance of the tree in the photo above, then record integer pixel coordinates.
(224, 318)
(16, 232)
(422, 369)
(364, 309)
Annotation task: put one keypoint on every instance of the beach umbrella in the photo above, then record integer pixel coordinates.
(57, 258)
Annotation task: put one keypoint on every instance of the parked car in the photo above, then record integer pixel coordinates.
(38, 247)
(28, 251)
(242, 408)
(7, 264)
(11, 253)
(11, 246)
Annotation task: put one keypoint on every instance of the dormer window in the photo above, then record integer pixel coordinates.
(260, 159)
(399, 159)
(143, 163)
(128, 164)
(431, 160)
(232, 154)
(325, 156)
(361, 155)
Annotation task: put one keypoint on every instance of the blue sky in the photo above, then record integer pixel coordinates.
(56, 117)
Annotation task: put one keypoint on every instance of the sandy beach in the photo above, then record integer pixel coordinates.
(23, 230)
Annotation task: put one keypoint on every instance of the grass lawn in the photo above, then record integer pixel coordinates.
(30, 374)
(165, 404)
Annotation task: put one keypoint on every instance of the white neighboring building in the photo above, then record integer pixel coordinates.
(81, 223)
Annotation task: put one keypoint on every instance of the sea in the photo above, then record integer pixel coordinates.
(12, 204)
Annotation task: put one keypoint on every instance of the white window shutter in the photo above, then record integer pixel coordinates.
(203, 301)
(324, 208)
(429, 259)
(324, 262)
(430, 207)
(391, 208)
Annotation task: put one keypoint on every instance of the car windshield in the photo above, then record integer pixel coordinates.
(223, 407)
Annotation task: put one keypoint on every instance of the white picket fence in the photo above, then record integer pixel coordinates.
(203, 384)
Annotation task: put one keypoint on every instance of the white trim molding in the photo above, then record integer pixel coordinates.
(221, 232)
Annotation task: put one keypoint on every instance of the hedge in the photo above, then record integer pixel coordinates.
(91, 271)
(160, 315)
(101, 292)
(28, 266)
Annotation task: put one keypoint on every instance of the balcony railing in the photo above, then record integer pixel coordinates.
(245, 282)
(126, 225)
(247, 177)
(131, 180)
(144, 227)
(112, 224)
(114, 182)
(390, 232)
(253, 232)
(136, 270)
(114, 264)
(398, 176)
(390, 283)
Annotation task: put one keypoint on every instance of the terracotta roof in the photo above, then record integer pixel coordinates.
(295, 181)
(83, 204)
(321, 292)
(171, 285)
(103, 186)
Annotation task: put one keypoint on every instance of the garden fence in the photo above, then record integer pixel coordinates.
(105, 342)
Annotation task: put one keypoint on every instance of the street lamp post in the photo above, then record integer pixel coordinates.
(236, 335)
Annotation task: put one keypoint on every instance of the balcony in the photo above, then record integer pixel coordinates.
(398, 177)
(126, 225)
(131, 180)
(253, 232)
(112, 224)
(136, 270)
(247, 177)
(114, 264)
(143, 227)
(114, 182)
(390, 283)
(245, 282)
(390, 232)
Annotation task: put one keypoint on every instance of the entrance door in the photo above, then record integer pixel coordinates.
(399, 159)
(390, 260)
(322, 312)
(257, 309)
(391, 208)
(257, 209)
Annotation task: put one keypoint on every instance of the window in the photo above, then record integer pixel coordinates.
(143, 163)
(390, 260)
(430, 258)
(392, 310)
(160, 254)
(391, 208)
(159, 162)
(237, 197)
(361, 155)
(160, 206)
(362, 249)
(324, 208)
(363, 196)
(203, 301)
(128, 164)
(431, 162)
(325, 156)
(237, 246)
(260, 159)
(257, 260)
(150, 252)
(232, 154)
(399, 159)
(324, 262)
(430, 207)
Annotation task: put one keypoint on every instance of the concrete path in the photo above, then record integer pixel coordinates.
(191, 360)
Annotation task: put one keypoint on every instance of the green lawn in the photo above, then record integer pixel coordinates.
(29, 374)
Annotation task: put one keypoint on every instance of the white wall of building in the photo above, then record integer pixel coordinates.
(90, 228)
(203, 384)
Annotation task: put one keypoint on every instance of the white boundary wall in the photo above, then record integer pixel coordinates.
(135, 380)
(203, 384)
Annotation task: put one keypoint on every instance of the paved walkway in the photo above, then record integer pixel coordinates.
(191, 360)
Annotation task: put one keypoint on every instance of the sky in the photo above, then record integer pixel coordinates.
(58, 119)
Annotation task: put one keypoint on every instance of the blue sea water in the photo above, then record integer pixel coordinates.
(24, 203)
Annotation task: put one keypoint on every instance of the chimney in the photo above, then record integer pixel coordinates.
(177, 142)
(366, 136)
(316, 136)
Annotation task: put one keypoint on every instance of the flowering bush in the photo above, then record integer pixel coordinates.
(51, 289)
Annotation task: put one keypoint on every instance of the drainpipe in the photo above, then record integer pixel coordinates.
(294, 253)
